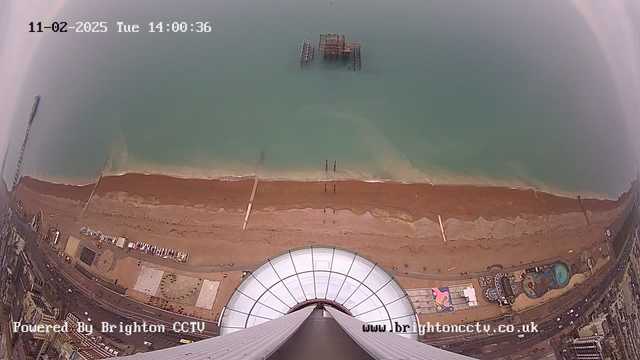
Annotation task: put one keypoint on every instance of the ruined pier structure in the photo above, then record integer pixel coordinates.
(333, 46)
(307, 53)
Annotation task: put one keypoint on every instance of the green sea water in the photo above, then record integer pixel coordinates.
(491, 92)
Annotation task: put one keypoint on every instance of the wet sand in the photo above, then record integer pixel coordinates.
(405, 201)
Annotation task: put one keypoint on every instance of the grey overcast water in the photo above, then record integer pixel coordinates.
(492, 92)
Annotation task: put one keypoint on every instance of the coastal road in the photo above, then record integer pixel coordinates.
(78, 303)
(102, 297)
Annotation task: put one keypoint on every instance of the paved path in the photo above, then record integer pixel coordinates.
(473, 275)
(136, 254)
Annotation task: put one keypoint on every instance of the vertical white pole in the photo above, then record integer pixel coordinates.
(442, 228)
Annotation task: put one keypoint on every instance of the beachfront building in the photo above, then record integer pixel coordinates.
(314, 303)
(444, 299)
(36, 312)
(588, 348)
(597, 327)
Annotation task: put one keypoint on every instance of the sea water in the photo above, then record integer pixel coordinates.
(491, 92)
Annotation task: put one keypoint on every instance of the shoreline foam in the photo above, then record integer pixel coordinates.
(481, 182)
(165, 210)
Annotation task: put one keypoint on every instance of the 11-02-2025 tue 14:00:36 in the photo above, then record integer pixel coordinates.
(121, 27)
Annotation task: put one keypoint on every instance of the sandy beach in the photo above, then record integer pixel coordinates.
(394, 224)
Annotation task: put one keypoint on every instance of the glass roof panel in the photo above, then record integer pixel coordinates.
(252, 289)
(272, 301)
(240, 302)
(400, 308)
(283, 265)
(308, 284)
(377, 279)
(373, 302)
(293, 284)
(342, 261)
(322, 258)
(266, 275)
(302, 260)
(361, 268)
(266, 311)
(390, 292)
(283, 294)
(233, 319)
(349, 287)
(322, 280)
(358, 296)
(375, 315)
(368, 292)
(335, 283)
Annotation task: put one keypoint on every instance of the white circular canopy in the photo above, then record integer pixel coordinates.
(344, 278)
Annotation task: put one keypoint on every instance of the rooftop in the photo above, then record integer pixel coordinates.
(339, 277)
(41, 304)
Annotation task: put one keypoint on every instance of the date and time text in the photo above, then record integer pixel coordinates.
(120, 26)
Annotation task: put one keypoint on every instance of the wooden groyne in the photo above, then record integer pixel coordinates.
(253, 191)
